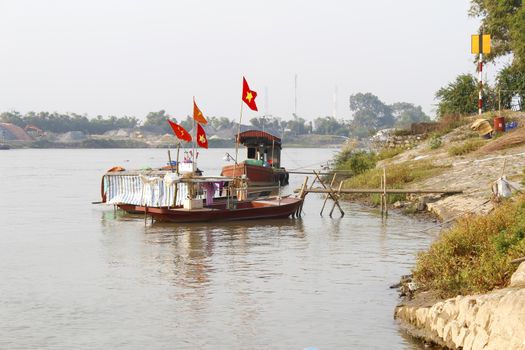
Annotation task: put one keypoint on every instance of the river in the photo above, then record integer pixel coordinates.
(74, 275)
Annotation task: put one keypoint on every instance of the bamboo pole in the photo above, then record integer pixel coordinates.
(384, 192)
(338, 196)
(330, 192)
(381, 190)
(327, 196)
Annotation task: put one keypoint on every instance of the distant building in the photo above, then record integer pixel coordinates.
(34, 131)
(12, 132)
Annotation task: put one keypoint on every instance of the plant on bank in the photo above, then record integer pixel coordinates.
(435, 142)
(474, 256)
(466, 147)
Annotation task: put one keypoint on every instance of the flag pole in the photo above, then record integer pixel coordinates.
(194, 140)
(237, 138)
(177, 164)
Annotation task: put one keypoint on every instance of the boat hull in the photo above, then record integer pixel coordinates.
(246, 210)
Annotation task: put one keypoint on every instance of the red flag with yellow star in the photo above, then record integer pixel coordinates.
(180, 132)
(197, 114)
(248, 96)
(202, 141)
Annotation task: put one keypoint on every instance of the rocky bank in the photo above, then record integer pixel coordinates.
(486, 321)
(495, 320)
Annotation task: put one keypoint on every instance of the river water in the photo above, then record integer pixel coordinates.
(79, 276)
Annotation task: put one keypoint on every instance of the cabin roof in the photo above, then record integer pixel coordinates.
(257, 136)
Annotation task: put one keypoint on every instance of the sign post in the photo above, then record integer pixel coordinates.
(480, 44)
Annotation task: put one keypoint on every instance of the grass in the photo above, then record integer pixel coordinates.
(466, 147)
(474, 256)
(387, 153)
(397, 175)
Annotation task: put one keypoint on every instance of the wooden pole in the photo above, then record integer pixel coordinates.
(237, 139)
(338, 196)
(330, 192)
(302, 195)
(384, 191)
(381, 199)
(389, 191)
(327, 196)
(177, 165)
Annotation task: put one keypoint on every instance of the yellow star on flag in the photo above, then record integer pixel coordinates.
(249, 96)
(202, 138)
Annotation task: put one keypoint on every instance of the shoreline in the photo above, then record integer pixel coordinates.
(474, 320)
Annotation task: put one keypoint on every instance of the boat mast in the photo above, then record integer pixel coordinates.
(295, 96)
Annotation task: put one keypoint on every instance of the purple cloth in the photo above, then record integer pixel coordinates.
(209, 187)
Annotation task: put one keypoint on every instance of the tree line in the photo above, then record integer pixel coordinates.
(369, 115)
(504, 20)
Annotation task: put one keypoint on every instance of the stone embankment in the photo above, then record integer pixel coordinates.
(486, 321)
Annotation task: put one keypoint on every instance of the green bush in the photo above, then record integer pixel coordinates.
(474, 256)
(357, 162)
(435, 142)
(466, 147)
(387, 153)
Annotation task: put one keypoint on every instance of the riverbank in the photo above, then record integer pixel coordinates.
(169, 141)
(463, 288)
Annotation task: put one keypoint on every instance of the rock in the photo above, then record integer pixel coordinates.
(495, 320)
(398, 205)
(518, 278)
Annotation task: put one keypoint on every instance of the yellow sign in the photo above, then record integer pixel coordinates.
(478, 45)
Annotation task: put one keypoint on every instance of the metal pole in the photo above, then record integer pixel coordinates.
(480, 68)
(480, 95)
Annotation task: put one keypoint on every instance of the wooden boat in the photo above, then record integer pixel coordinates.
(262, 166)
(188, 197)
(271, 208)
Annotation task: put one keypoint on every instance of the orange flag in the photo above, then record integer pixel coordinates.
(197, 114)
(248, 96)
(202, 141)
(180, 132)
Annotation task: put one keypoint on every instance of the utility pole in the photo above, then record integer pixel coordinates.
(295, 96)
(480, 44)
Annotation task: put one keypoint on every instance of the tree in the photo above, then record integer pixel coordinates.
(158, 122)
(510, 82)
(406, 114)
(504, 20)
(330, 126)
(13, 117)
(220, 123)
(460, 96)
(269, 123)
(187, 123)
(297, 125)
(370, 112)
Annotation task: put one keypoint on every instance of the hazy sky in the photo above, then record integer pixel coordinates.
(130, 57)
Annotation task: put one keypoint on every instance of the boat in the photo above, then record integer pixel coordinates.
(269, 208)
(4, 147)
(262, 166)
(188, 197)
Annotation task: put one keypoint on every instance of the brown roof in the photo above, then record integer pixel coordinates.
(258, 136)
(17, 132)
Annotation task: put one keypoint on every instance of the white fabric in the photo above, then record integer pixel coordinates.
(170, 178)
(502, 188)
(142, 190)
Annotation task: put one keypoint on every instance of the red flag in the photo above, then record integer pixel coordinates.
(197, 114)
(180, 132)
(202, 141)
(248, 96)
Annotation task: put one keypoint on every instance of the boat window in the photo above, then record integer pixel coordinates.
(251, 152)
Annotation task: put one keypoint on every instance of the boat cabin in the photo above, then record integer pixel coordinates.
(261, 147)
